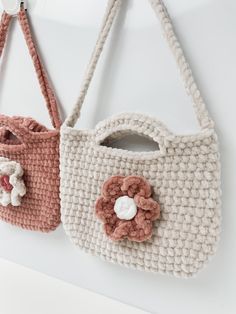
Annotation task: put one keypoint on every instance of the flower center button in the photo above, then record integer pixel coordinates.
(125, 208)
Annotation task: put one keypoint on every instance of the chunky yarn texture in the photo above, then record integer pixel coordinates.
(35, 148)
(184, 174)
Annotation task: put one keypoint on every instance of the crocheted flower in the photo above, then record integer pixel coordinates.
(12, 187)
(127, 209)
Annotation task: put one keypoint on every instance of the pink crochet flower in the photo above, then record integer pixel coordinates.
(127, 209)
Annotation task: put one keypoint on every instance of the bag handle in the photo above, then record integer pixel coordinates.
(186, 73)
(46, 89)
(132, 123)
(18, 129)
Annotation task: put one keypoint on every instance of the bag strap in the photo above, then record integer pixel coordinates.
(4, 26)
(46, 89)
(186, 73)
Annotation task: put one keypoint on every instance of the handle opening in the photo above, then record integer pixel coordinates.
(9, 138)
(131, 141)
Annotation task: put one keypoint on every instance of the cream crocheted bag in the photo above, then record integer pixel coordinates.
(155, 211)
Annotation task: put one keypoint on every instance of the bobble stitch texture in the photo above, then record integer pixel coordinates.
(184, 174)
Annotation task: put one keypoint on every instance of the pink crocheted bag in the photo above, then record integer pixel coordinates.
(29, 154)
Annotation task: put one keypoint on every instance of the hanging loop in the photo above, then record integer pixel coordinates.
(12, 7)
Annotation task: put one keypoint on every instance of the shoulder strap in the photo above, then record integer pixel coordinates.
(46, 89)
(4, 26)
(190, 84)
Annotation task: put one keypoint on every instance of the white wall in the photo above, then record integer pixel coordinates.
(136, 73)
(36, 293)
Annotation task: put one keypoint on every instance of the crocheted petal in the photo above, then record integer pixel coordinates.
(5, 198)
(149, 205)
(130, 230)
(119, 232)
(133, 185)
(140, 232)
(146, 215)
(104, 210)
(112, 187)
(15, 198)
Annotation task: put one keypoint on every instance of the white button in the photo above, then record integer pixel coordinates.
(125, 208)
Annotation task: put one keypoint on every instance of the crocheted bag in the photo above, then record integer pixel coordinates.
(156, 211)
(29, 154)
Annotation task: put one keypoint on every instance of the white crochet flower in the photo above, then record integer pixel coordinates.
(12, 187)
